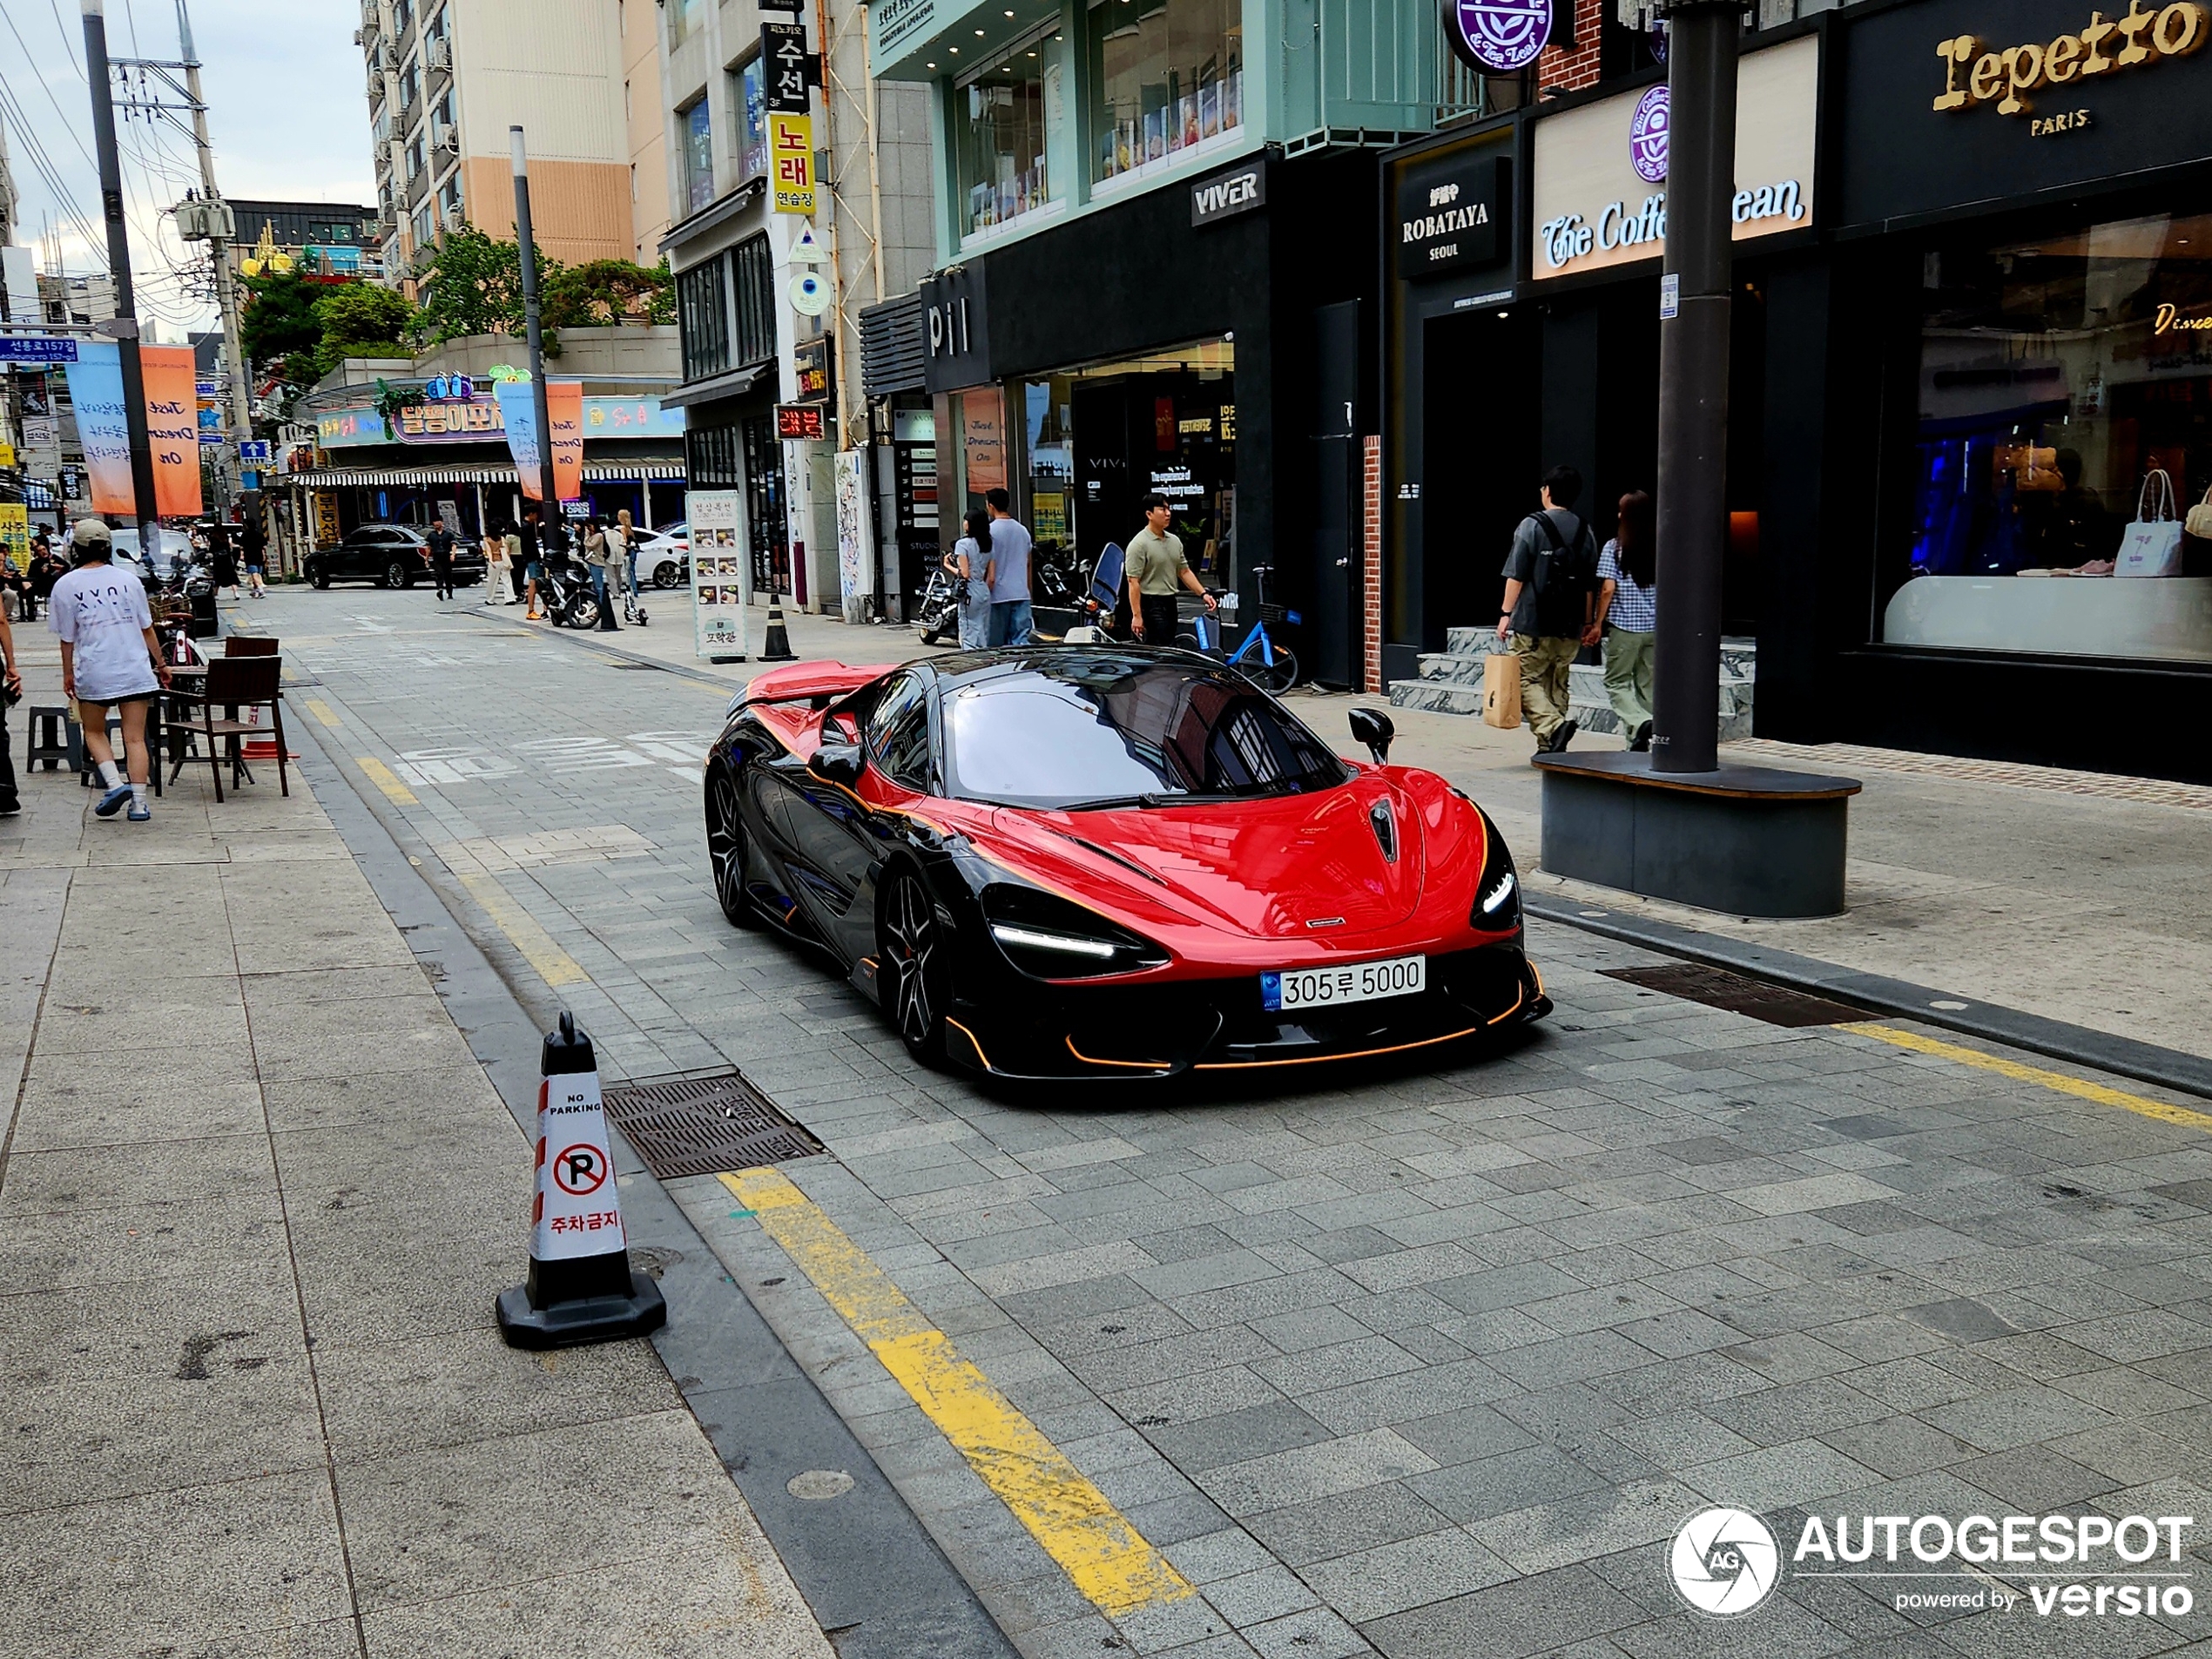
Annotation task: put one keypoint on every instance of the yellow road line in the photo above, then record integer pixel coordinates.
(555, 966)
(386, 779)
(1105, 1557)
(2081, 1089)
(322, 711)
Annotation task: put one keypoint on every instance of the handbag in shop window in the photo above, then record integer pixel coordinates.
(2152, 545)
(2199, 523)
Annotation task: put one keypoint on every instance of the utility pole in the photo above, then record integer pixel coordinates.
(1698, 303)
(550, 530)
(125, 327)
(218, 244)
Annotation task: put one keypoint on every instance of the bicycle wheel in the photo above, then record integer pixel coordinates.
(1276, 676)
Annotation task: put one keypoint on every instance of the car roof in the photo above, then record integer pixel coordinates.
(1083, 664)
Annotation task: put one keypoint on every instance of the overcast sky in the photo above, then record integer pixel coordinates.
(287, 113)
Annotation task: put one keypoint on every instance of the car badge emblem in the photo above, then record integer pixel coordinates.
(1326, 921)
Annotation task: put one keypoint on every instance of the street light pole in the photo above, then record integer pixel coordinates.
(218, 247)
(550, 528)
(118, 260)
(1702, 38)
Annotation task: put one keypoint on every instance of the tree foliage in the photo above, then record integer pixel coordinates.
(473, 285)
(361, 320)
(605, 291)
(279, 319)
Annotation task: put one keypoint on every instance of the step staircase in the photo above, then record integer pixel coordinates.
(1451, 683)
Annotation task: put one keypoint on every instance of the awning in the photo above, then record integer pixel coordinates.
(610, 472)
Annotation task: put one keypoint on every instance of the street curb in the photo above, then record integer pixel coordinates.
(866, 1566)
(2098, 1050)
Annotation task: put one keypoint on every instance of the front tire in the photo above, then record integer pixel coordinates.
(582, 611)
(1278, 677)
(396, 575)
(911, 952)
(318, 577)
(726, 851)
(665, 575)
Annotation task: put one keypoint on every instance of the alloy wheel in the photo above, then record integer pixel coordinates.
(396, 575)
(912, 950)
(726, 850)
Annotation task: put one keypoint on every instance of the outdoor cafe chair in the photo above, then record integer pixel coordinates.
(235, 684)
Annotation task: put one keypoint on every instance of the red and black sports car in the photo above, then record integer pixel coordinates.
(1081, 862)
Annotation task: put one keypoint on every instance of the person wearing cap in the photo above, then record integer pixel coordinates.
(110, 658)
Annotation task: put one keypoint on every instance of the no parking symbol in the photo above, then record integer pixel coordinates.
(580, 1170)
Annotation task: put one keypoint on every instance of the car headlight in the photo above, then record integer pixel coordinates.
(1497, 895)
(1049, 937)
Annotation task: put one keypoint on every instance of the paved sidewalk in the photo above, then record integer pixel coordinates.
(257, 1196)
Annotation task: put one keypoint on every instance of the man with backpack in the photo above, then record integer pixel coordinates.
(1551, 586)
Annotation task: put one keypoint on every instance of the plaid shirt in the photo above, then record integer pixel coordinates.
(1636, 610)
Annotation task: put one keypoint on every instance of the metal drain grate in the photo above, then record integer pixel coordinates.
(700, 1125)
(1716, 988)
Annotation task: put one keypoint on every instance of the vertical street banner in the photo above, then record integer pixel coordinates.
(518, 414)
(172, 416)
(791, 162)
(855, 547)
(564, 409)
(721, 582)
(15, 534)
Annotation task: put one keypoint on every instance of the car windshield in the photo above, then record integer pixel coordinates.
(1105, 728)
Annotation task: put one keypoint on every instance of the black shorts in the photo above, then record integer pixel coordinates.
(118, 702)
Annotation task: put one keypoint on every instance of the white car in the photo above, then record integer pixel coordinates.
(663, 557)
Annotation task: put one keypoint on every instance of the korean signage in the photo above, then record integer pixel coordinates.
(15, 533)
(894, 23)
(811, 366)
(783, 49)
(799, 422)
(478, 421)
(791, 162)
(1451, 215)
(720, 583)
(37, 348)
(1597, 203)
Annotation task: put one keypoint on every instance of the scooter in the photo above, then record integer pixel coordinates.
(569, 601)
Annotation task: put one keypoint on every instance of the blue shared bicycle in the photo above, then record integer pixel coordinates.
(1268, 665)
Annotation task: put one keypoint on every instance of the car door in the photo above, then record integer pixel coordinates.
(836, 832)
(363, 553)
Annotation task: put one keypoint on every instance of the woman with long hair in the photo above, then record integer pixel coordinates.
(970, 564)
(1628, 616)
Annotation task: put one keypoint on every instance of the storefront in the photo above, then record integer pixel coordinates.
(1522, 327)
(1178, 342)
(2019, 361)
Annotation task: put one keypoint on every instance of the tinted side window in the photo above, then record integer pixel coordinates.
(898, 731)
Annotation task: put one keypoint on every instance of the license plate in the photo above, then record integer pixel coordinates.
(1328, 987)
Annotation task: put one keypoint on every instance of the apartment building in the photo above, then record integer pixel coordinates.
(645, 124)
(446, 79)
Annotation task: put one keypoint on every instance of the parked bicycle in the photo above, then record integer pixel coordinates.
(1268, 665)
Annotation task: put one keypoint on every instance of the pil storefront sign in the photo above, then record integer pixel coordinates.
(1594, 168)
(1449, 215)
(1226, 195)
(955, 322)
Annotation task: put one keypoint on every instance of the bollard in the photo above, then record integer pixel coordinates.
(581, 1288)
(775, 644)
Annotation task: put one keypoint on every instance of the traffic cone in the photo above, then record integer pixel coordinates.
(775, 644)
(581, 1288)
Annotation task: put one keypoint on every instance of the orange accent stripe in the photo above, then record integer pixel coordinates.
(1517, 1003)
(1131, 1065)
(1363, 1053)
(982, 1058)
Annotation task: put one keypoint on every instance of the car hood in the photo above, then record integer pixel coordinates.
(1295, 867)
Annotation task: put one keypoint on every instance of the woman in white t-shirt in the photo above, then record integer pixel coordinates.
(110, 658)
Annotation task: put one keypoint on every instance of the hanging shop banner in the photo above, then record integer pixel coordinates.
(477, 419)
(564, 408)
(791, 161)
(855, 546)
(1498, 37)
(96, 389)
(783, 49)
(15, 534)
(518, 418)
(1599, 172)
(720, 581)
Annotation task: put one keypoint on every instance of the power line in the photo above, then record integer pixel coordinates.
(30, 61)
(68, 46)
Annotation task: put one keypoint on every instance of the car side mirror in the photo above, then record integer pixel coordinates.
(1373, 727)
(837, 763)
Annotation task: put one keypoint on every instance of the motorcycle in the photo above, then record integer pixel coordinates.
(567, 594)
(937, 610)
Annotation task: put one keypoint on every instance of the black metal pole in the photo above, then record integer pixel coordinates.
(551, 529)
(119, 261)
(1692, 508)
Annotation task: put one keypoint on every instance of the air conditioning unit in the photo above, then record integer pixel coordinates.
(439, 55)
(361, 37)
(387, 56)
(446, 139)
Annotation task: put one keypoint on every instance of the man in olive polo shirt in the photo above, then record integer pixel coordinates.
(1156, 568)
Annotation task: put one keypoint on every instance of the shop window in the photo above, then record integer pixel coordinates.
(764, 497)
(703, 320)
(999, 120)
(2064, 382)
(682, 21)
(753, 272)
(749, 96)
(698, 127)
(1165, 76)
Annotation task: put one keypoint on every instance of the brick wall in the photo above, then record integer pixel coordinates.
(1577, 68)
(1371, 562)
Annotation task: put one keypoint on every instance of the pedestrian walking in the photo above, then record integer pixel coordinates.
(253, 548)
(47, 567)
(602, 554)
(496, 588)
(533, 562)
(10, 694)
(222, 564)
(1010, 621)
(110, 658)
(1157, 571)
(1551, 595)
(627, 528)
(440, 541)
(971, 570)
(1628, 616)
(511, 541)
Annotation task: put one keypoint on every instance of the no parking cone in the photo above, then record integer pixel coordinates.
(581, 1288)
(775, 644)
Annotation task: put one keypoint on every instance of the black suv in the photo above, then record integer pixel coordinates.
(392, 556)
